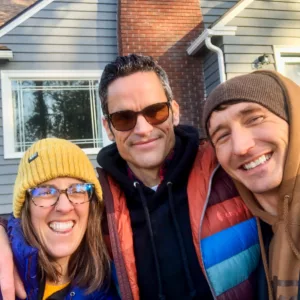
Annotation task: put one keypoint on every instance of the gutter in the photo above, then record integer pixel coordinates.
(205, 39)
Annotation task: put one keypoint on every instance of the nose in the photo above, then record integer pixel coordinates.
(142, 127)
(63, 204)
(242, 141)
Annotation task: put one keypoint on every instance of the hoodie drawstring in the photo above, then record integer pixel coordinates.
(286, 224)
(161, 296)
(181, 244)
(187, 272)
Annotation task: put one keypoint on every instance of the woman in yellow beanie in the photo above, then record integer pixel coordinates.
(56, 232)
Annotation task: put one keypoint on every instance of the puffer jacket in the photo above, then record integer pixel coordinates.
(224, 232)
(26, 261)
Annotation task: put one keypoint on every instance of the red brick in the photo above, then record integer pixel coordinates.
(164, 29)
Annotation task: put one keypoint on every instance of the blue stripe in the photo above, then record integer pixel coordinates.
(234, 270)
(229, 242)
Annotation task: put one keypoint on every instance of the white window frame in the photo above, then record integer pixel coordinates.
(7, 101)
(280, 61)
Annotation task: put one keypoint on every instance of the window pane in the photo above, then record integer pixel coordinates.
(65, 109)
(292, 71)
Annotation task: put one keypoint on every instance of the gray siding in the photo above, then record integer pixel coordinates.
(65, 35)
(211, 72)
(212, 10)
(261, 25)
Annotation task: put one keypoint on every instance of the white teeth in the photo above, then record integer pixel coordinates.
(257, 162)
(61, 226)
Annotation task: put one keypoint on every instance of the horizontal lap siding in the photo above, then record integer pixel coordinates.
(211, 72)
(260, 26)
(65, 35)
(212, 10)
(8, 170)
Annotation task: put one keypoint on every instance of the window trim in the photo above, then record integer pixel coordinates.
(280, 61)
(7, 102)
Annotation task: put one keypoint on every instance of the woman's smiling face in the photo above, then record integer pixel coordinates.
(61, 227)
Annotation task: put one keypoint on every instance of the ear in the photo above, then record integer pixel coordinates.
(176, 112)
(108, 129)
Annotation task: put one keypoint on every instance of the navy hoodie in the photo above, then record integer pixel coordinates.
(166, 259)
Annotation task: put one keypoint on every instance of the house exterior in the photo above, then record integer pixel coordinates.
(52, 54)
(248, 35)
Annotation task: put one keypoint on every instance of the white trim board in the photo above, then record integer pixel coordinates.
(231, 13)
(279, 60)
(24, 16)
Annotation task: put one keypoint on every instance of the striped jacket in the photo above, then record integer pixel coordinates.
(224, 232)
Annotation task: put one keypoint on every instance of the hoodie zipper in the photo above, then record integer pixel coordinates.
(200, 225)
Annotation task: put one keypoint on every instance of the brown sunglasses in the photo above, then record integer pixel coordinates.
(154, 114)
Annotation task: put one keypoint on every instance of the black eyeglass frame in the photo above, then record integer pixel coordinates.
(64, 191)
(108, 117)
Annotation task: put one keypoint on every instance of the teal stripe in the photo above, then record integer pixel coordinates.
(231, 272)
(240, 237)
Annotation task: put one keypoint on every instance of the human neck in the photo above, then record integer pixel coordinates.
(62, 265)
(269, 201)
(149, 177)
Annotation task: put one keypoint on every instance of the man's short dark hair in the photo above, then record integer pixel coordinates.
(127, 65)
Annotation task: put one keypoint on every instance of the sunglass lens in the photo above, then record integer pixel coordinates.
(156, 113)
(123, 120)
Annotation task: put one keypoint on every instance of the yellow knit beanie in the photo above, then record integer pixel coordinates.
(48, 159)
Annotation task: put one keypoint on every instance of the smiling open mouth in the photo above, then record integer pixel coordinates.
(61, 226)
(259, 161)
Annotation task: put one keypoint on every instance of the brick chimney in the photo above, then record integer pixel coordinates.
(164, 29)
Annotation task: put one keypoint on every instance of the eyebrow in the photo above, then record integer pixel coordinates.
(242, 113)
(248, 110)
(219, 127)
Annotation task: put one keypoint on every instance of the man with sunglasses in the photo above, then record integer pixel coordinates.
(177, 228)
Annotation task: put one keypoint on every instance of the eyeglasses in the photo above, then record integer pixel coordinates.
(154, 114)
(48, 195)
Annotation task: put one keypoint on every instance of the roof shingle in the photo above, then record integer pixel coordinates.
(11, 8)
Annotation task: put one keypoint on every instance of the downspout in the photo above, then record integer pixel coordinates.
(219, 52)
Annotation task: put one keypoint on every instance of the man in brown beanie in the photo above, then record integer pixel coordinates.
(252, 123)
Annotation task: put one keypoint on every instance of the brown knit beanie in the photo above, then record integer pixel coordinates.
(260, 87)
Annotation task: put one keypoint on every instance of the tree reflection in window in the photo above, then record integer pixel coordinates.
(62, 108)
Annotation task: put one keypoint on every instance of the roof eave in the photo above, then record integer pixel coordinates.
(6, 55)
(23, 16)
(219, 28)
(198, 44)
